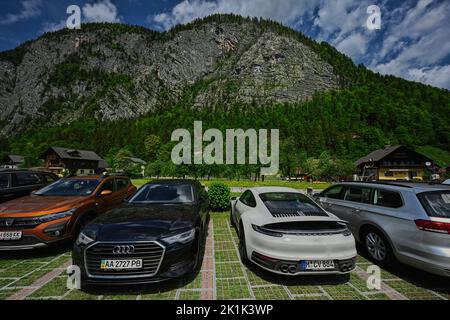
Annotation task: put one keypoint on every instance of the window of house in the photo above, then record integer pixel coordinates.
(386, 198)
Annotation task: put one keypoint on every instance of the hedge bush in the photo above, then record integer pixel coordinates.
(219, 196)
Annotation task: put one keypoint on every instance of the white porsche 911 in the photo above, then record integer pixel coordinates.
(286, 232)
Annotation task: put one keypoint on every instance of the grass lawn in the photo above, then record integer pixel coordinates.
(249, 183)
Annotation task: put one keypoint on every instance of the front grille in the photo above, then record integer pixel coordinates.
(18, 223)
(151, 254)
(290, 212)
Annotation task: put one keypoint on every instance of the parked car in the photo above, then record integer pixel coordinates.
(18, 183)
(408, 222)
(286, 232)
(58, 211)
(157, 235)
(447, 182)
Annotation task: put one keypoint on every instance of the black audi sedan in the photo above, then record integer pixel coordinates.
(156, 235)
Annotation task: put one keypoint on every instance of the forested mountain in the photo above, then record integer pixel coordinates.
(112, 87)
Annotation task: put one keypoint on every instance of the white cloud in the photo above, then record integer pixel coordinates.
(414, 46)
(101, 11)
(286, 11)
(438, 76)
(30, 9)
(53, 26)
(417, 47)
(354, 45)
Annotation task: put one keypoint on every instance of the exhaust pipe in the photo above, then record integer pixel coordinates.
(292, 268)
(284, 268)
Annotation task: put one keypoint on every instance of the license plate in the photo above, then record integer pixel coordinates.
(10, 235)
(316, 264)
(124, 264)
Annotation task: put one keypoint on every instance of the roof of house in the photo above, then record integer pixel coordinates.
(68, 153)
(135, 160)
(103, 164)
(15, 158)
(379, 154)
(376, 155)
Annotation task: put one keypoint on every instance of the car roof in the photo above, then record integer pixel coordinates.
(23, 171)
(174, 181)
(261, 190)
(416, 187)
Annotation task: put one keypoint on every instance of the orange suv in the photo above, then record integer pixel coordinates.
(58, 211)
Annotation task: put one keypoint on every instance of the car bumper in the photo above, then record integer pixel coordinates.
(274, 254)
(440, 269)
(37, 237)
(29, 242)
(177, 261)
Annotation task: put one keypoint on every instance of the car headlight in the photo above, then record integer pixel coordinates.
(87, 235)
(83, 240)
(56, 215)
(184, 237)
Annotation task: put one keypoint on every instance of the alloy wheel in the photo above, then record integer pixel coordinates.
(376, 246)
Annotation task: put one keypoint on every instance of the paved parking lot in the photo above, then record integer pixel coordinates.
(222, 276)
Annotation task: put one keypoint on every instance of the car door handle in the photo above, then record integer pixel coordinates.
(356, 210)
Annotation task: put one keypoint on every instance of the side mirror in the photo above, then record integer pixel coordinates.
(233, 198)
(105, 193)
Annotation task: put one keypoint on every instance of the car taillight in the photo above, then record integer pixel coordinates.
(433, 226)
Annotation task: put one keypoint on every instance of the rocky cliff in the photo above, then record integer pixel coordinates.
(111, 71)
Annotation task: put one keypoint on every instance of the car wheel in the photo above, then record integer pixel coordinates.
(242, 246)
(231, 219)
(198, 250)
(378, 247)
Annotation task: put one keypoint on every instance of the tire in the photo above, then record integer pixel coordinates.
(79, 226)
(377, 247)
(242, 246)
(231, 219)
(198, 254)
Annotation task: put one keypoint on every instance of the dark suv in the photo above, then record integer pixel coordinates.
(18, 183)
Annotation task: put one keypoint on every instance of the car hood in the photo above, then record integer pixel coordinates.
(145, 222)
(37, 205)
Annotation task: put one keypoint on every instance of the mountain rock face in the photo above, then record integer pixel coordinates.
(113, 72)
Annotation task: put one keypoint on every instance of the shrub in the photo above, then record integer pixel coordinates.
(219, 196)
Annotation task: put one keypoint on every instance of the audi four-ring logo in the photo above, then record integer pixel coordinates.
(123, 249)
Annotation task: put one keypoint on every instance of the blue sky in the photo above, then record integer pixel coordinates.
(413, 41)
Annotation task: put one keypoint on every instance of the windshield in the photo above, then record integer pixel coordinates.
(69, 187)
(436, 203)
(290, 203)
(164, 193)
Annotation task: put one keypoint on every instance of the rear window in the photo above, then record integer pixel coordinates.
(121, 184)
(290, 204)
(436, 203)
(164, 193)
(4, 181)
(28, 179)
(386, 198)
(358, 194)
(333, 192)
